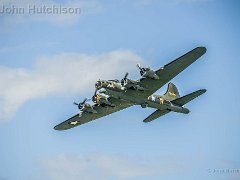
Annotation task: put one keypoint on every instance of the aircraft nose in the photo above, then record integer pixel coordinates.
(98, 84)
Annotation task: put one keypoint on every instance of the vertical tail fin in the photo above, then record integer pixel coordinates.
(172, 92)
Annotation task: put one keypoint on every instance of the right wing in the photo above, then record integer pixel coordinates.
(86, 117)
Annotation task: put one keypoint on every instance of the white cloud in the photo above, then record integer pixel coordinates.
(67, 73)
(10, 19)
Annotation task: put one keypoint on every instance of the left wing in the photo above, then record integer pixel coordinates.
(87, 117)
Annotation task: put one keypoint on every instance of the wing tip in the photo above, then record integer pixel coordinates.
(57, 128)
(203, 91)
(201, 49)
(145, 121)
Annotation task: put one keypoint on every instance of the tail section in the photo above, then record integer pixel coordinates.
(172, 92)
(176, 103)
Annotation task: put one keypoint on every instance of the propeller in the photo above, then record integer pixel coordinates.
(142, 70)
(81, 104)
(124, 80)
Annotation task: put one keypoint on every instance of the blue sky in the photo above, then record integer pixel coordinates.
(49, 61)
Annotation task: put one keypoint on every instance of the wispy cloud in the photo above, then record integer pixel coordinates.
(67, 73)
(93, 167)
(109, 166)
(96, 166)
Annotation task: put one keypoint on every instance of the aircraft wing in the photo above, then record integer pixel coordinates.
(87, 117)
(170, 70)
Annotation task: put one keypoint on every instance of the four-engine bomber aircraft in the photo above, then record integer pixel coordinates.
(113, 95)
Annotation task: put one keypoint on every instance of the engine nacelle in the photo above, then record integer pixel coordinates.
(150, 74)
(131, 84)
(101, 100)
(147, 72)
(88, 108)
(111, 84)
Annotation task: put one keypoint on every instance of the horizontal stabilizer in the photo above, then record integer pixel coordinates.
(156, 115)
(185, 99)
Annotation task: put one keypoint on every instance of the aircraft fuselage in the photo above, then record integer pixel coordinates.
(118, 91)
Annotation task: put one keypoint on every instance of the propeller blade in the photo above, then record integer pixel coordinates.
(75, 103)
(138, 65)
(126, 75)
(142, 70)
(84, 101)
(95, 92)
(123, 81)
(81, 104)
(94, 95)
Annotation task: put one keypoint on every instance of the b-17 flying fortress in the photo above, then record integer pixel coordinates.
(114, 95)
